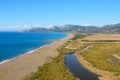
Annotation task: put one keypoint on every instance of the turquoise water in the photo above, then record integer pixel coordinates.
(13, 44)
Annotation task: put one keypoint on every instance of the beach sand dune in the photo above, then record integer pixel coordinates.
(21, 66)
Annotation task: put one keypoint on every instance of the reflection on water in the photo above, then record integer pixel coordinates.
(77, 69)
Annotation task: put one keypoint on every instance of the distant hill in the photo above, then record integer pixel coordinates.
(115, 28)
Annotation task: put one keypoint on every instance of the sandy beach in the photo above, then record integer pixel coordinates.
(21, 66)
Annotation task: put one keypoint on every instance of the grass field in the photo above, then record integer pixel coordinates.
(100, 54)
(103, 37)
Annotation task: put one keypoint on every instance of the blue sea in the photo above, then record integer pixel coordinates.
(13, 44)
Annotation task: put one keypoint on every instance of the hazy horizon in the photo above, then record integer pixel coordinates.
(25, 14)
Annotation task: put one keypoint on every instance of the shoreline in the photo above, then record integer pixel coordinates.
(31, 51)
(21, 66)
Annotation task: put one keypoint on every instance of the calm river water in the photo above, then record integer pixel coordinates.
(77, 69)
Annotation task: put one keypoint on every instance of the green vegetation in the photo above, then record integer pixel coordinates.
(100, 40)
(54, 70)
(79, 35)
(100, 54)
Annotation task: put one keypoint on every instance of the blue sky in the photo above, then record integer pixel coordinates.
(24, 14)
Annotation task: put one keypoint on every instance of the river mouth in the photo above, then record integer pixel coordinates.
(77, 69)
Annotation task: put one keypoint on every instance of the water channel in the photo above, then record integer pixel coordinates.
(77, 69)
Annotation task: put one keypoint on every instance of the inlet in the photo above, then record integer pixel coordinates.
(77, 69)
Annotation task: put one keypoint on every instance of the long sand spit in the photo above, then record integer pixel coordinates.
(21, 66)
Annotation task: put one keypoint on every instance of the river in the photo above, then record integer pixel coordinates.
(77, 69)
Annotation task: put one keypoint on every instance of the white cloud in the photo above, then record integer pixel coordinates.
(37, 25)
(50, 26)
(17, 27)
(87, 24)
(26, 26)
(10, 27)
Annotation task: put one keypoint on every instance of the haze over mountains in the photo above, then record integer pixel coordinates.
(114, 28)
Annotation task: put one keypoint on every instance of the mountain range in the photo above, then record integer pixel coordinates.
(114, 28)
